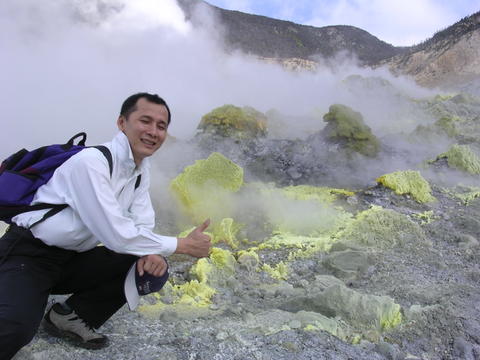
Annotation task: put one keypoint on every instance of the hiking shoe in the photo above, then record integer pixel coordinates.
(63, 324)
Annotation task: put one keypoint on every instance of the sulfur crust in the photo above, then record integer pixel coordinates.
(204, 188)
(277, 272)
(234, 122)
(408, 182)
(462, 157)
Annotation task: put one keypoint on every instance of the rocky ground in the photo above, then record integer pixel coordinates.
(434, 280)
(385, 268)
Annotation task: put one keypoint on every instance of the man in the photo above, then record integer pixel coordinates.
(60, 255)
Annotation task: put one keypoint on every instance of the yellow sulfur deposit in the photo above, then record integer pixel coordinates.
(363, 312)
(226, 231)
(346, 126)
(381, 228)
(208, 272)
(408, 182)
(234, 122)
(425, 218)
(465, 194)
(462, 157)
(448, 124)
(284, 240)
(278, 272)
(301, 210)
(248, 259)
(320, 193)
(198, 292)
(194, 293)
(391, 316)
(202, 270)
(442, 97)
(219, 265)
(322, 244)
(311, 327)
(223, 259)
(204, 189)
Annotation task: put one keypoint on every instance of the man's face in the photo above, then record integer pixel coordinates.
(145, 128)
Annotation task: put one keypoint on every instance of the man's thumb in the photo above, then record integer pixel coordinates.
(204, 226)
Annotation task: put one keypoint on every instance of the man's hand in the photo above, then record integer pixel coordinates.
(153, 264)
(196, 243)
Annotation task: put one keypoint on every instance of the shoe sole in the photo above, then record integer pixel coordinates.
(72, 337)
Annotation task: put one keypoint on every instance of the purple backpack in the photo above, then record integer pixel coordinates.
(22, 173)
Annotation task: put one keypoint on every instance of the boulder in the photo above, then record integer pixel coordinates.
(229, 121)
(408, 182)
(461, 157)
(379, 228)
(204, 188)
(347, 128)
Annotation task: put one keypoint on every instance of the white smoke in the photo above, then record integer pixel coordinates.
(135, 16)
(67, 66)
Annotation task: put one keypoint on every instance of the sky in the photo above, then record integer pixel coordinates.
(398, 22)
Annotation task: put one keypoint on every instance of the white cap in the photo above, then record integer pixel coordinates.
(136, 285)
(130, 288)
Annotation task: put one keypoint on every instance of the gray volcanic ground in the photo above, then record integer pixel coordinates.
(313, 271)
(347, 232)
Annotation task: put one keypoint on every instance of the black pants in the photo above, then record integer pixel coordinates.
(33, 270)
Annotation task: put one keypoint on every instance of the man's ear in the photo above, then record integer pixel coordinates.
(121, 122)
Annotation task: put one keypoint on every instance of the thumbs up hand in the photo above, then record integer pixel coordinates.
(196, 243)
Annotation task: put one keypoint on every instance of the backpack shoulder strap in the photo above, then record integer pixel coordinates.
(108, 155)
(137, 183)
(54, 208)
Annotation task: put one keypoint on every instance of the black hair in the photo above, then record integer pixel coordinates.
(130, 104)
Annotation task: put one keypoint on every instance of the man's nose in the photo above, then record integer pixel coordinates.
(153, 131)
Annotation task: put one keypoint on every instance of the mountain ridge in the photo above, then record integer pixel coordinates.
(273, 38)
(449, 58)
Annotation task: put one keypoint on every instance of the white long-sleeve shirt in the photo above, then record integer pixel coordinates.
(101, 209)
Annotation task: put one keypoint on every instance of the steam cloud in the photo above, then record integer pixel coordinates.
(66, 66)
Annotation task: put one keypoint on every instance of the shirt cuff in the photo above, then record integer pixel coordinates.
(169, 245)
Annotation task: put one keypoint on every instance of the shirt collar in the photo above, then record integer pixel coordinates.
(125, 155)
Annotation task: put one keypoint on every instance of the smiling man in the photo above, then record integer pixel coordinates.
(108, 204)
(145, 124)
